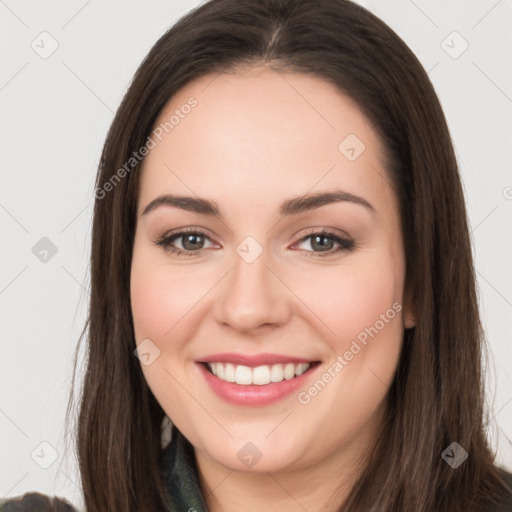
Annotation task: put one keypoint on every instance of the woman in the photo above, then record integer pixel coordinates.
(319, 348)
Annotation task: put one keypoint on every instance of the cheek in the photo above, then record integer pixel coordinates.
(349, 299)
(342, 301)
(160, 297)
(361, 305)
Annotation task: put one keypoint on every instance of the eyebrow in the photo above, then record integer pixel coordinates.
(292, 206)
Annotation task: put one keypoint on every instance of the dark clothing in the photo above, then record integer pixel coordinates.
(35, 502)
(180, 475)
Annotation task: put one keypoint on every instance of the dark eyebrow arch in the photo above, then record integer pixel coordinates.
(292, 206)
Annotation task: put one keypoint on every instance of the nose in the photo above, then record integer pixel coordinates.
(252, 296)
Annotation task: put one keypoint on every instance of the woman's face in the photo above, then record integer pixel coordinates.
(259, 292)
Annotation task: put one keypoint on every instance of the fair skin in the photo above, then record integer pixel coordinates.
(255, 139)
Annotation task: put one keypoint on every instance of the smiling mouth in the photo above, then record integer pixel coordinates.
(259, 375)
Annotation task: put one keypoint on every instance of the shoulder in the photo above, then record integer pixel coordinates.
(505, 504)
(36, 502)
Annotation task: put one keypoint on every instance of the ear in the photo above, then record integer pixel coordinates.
(409, 315)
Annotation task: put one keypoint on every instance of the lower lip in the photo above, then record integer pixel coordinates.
(254, 395)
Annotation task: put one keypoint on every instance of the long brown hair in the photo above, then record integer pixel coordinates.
(437, 396)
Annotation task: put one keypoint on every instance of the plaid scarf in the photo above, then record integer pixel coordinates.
(180, 476)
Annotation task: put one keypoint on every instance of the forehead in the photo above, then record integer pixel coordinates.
(266, 131)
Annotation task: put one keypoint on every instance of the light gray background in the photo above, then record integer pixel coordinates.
(55, 115)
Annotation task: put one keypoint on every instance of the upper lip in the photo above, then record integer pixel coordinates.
(252, 360)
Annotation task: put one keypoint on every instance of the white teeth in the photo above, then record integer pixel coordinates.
(301, 368)
(260, 375)
(229, 374)
(289, 371)
(221, 370)
(243, 374)
(276, 373)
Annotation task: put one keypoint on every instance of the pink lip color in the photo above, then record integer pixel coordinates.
(254, 395)
(252, 361)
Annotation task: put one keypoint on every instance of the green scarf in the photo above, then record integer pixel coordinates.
(180, 475)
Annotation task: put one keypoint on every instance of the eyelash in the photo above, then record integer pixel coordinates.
(345, 244)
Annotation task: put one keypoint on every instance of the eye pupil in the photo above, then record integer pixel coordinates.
(193, 237)
(322, 245)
